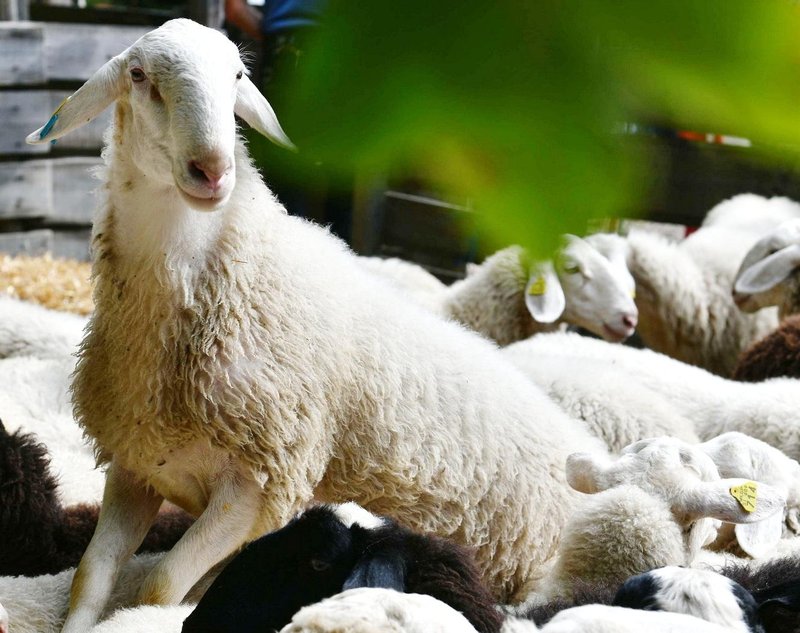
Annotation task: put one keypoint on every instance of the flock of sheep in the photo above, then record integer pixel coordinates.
(245, 366)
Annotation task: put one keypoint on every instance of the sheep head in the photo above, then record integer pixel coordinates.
(177, 89)
(685, 477)
(598, 285)
(766, 275)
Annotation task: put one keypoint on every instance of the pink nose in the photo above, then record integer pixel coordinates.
(210, 172)
(630, 320)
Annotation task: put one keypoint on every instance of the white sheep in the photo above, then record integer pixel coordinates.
(603, 396)
(738, 455)
(39, 604)
(768, 411)
(509, 297)
(34, 397)
(683, 290)
(232, 364)
(150, 619)
(28, 329)
(413, 280)
(373, 610)
(656, 504)
(766, 276)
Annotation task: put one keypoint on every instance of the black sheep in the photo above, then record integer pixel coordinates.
(40, 536)
(329, 549)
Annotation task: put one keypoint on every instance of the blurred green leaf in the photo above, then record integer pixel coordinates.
(513, 104)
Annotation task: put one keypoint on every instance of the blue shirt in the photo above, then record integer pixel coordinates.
(285, 15)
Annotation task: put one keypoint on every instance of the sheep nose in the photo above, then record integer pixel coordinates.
(630, 320)
(210, 172)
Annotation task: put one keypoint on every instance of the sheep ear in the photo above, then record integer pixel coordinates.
(760, 539)
(767, 273)
(377, 571)
(731, 500)
(99, 92)
(585, 471)
(256, 111)
(544, 296)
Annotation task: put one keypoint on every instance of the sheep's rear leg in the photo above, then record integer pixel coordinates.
(224, 526)
(128, 510)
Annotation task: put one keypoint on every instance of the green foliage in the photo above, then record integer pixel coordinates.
(513, 103)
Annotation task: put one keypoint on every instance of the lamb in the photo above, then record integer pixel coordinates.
(738, 455)
(683, 290)
(766, 411)
(329, 549)
(40, 536)
(227, 366)
(27, 329)
(661, 494)
(509, 297)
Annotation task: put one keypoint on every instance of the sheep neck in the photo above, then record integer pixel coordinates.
(158, 231)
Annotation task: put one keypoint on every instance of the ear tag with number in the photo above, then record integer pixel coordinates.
(746, 494)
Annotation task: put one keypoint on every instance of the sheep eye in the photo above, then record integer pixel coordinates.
(572, 270)
(319, 565)
(137, 75)
(239, 75)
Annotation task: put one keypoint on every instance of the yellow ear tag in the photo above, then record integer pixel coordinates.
(538, 287)
(633, 294)
(746, 495)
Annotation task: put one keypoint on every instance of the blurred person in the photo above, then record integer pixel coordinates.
(284, 28)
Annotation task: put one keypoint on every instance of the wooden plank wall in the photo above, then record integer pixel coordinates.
(46, 191)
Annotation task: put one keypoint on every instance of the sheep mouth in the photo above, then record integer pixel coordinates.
(614, 335)
(204, 203)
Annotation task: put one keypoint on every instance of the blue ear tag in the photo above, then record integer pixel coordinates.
(49, 125)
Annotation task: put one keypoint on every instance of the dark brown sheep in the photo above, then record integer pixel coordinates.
(774, 356)
(40, 536)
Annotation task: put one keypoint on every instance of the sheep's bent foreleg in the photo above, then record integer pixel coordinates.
(228, 521)
(129, 509)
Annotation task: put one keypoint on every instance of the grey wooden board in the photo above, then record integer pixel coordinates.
(36, 242)
(24, 111)
(59, 190)
(26, 189)
(21, 53)
(76, 51)
(72, 244)
(73, 198)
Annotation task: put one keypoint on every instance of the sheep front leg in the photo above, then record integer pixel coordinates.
(226, 524)
(128, 510)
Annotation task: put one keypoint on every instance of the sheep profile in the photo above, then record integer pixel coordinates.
(509, 297)
(239, 362)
